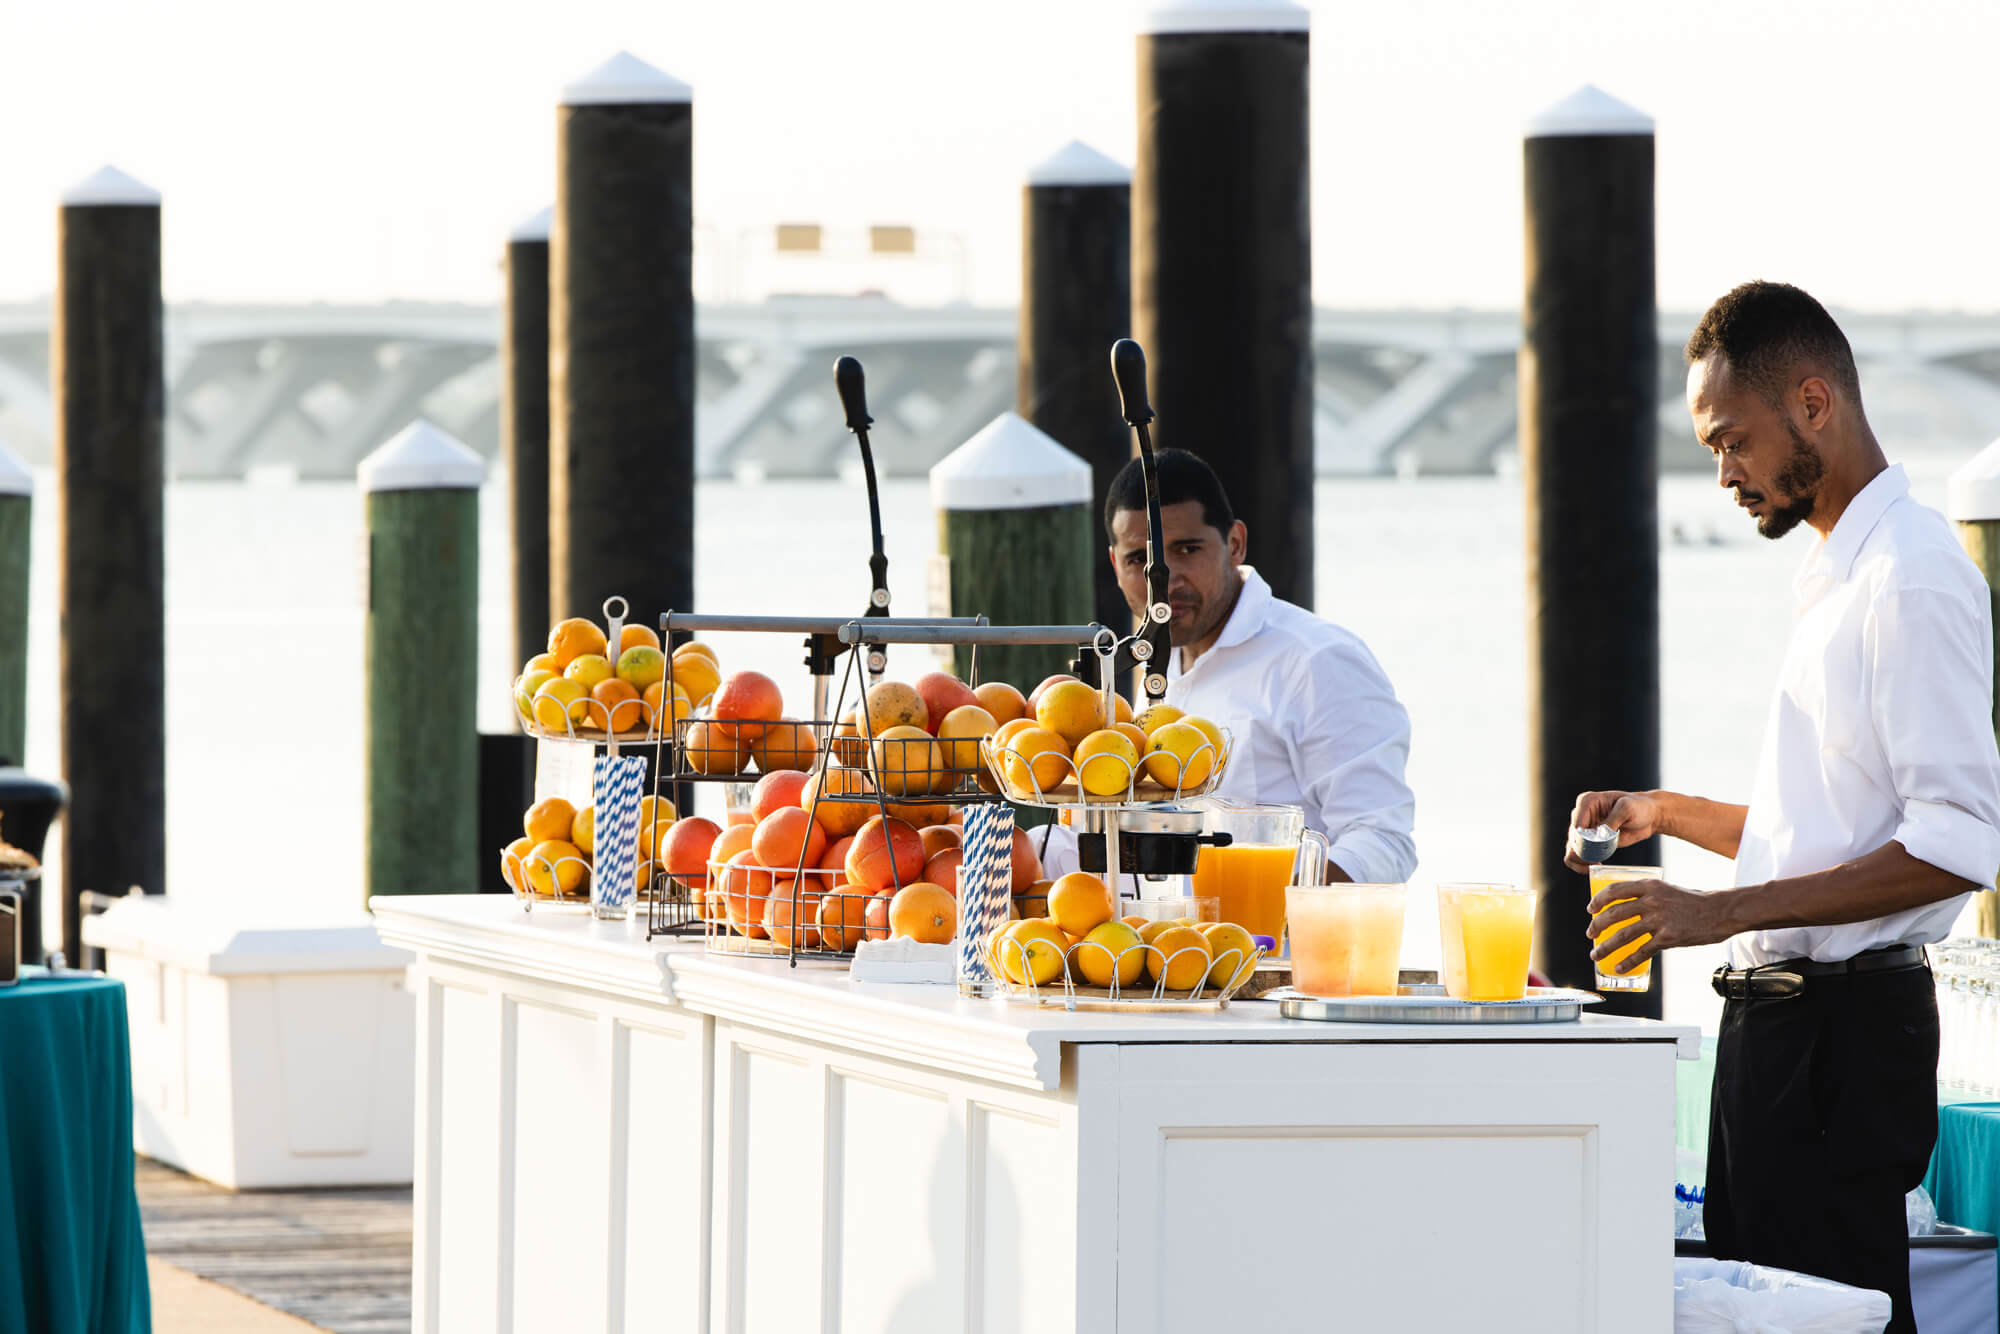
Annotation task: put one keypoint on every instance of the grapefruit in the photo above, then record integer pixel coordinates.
(786, 839)
(685, 847)
(1001, 700)
(775, 791)
(789, 923)
(742, 702)
(886, 854)
(893, 704)
(840, 819)
(942, 692)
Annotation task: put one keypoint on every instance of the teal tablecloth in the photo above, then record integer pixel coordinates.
(72, 1258)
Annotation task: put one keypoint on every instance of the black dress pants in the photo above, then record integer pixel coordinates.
(1823, 1118)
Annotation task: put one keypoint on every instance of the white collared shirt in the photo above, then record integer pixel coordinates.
(1881, 727)
(1314, 723)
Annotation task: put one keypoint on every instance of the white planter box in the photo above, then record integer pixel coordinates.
(264, 1056)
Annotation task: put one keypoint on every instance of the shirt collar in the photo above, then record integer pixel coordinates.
(1833, 557)
(1246, 618)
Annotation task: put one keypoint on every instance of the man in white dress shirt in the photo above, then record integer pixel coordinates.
(1315, 722)
(1875, 811)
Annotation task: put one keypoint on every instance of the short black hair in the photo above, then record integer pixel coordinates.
(1764, 331)
(1182, 476)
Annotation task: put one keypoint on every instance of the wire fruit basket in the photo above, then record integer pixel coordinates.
(1143, 976)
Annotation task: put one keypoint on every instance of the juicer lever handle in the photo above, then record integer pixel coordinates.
(1128, 367)
(1219, 839)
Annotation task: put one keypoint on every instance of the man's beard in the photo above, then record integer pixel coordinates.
(1799, 479)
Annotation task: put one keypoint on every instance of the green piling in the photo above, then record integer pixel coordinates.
(1014, 523)
(16, 492)
(421, 644)
(1973, 501)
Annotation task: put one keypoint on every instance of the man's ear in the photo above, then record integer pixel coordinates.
(1112, 554)
(1239, 542)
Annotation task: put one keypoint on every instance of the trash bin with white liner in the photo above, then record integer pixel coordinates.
(1954, 1279)
(264, 1055)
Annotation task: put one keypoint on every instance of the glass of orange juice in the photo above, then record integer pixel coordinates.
(1347, 940)
(1641, 977)
(1270, 849)
(1487, 931)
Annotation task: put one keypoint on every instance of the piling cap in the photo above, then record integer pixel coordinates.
(1009, 466)
(1176, 16)
(420, 457)
(535, 228)
(109, 186)
(1589, 110)
(622, 80)
(1077, 163)
(14, 476)
(1974, 490)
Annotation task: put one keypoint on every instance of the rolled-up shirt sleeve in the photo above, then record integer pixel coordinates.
(1929, 656)
(1349, 750)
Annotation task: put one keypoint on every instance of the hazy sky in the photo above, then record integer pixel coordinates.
(369, 149)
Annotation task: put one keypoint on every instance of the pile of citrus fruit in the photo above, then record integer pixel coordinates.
(1062, 745)
(1082, 936)
(581, 687)
(827, 875)
(554, 856)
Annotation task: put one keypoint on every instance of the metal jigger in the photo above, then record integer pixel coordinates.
(1594, 845)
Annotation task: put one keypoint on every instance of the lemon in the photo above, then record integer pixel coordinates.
(588, 669)
(526, 686)
(582, 831)
(560, 704)
(1232, 949)
(1106, 763)
(641, 665)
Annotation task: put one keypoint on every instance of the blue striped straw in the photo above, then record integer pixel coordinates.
(620, 783)
(985, 888)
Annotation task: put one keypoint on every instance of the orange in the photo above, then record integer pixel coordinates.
(939, 837)
(1178, 958)
(840, 819)
(924, 913)
(541, 662)
(1071, 709)
(893, 704)
(1180, 757)
(782, 836)
(710, 752)
(1233, 951)
(583, 831)
(551, 817)
(1030, 953)
(906, 761)
(1133, 733)
(616, 707)
(642, 664)
(1035, 695)
(1112, 949)
(848, 747)
(785, 745)
(1214, 735)
(657, 692)
(789, 923)
(699, 649)
(695, 673)
(942, 692)
(514, 864)
(560, 705)
(573, 638)
(1154, 718)
(1034, 763)
(1121, 709)
(1001, 700)
(1080, 902)
(842, 916)
(1106, 763)
(553, 860)
(633, 635)
(655, 814)
(958, 737)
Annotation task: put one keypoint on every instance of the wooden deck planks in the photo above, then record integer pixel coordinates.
(337, 1258)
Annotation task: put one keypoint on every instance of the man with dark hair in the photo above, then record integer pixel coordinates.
(1875, 811)
(1315, 721)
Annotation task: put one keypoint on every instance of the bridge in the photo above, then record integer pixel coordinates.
(313, 388)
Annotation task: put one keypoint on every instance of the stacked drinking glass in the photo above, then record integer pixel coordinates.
(1968, 991)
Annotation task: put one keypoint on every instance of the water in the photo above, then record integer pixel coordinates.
(264, 660)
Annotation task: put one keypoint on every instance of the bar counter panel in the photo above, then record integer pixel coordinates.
(622, 1135)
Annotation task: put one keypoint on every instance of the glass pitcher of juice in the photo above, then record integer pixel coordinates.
(1270, 849)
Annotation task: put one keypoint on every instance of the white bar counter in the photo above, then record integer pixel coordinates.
(621, 1135)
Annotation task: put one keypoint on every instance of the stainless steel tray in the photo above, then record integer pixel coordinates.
(1430, 1005)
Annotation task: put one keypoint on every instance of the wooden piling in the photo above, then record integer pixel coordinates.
(524, 431)
(421, 646)
(621, 345)
(1076, 301)
(1589, 427)
(107, 368)
(1222, 261)
(17, 490)
(1015, 522)
(1973, 501)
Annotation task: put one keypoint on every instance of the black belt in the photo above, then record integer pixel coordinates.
(1787, 978)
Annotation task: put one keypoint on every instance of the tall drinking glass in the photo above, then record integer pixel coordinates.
(1347, 940)
(1641, 977)
(1270, 849)
(1487, 931)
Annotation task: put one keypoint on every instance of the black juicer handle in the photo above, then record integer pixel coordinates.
(1128, 368)
(852, 385)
